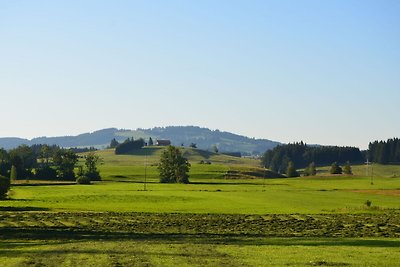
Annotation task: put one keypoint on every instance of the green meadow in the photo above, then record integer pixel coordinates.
(229, 215)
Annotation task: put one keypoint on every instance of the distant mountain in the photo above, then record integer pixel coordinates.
(204, 139)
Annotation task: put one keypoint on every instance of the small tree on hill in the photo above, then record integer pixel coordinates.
(91, 162)
(291, 170)
(335, 168)
(215, 148)
(193, 145)
(310, 170)
(173, 167)
(347, 168)
(151, 143)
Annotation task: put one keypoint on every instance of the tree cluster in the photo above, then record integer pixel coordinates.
(129, 145)
(44, 162)
(302, 155)
(385, 152)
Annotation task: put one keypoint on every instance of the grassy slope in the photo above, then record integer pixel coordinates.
(201, 252)
(208, 192)
(128, 167)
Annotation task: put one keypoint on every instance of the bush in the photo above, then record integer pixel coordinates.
(4, 186)
(93, 176)
(335, 168)
(83, 180)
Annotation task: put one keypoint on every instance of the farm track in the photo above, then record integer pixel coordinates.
(113, 225)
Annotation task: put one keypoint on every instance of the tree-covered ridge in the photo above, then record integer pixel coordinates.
(385, 152)
(302, 155)
(204, 138)
(207, 139)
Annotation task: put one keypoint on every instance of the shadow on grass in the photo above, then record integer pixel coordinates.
(61, 234)
(148, 151)
(23, 209)
(49, 183)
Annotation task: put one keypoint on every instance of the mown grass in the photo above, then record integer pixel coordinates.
(201, 252)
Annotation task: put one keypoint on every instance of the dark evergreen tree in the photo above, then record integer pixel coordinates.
(151, 143)
(385, 152)
(301, 155)
(4, 186)
(114, 143)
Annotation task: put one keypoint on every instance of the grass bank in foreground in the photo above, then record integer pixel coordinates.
(201, 252)
(147, 239)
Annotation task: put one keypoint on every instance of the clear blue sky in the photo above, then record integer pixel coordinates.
(325, 72)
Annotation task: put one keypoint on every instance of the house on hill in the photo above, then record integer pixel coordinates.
(163, 142)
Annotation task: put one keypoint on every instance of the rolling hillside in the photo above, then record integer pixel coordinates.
(204, 139)
(132, 166)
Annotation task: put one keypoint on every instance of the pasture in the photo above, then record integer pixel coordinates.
(216, 220)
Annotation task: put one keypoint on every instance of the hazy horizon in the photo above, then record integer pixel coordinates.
(318, 71)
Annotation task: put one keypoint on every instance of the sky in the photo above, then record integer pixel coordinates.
(325, 72)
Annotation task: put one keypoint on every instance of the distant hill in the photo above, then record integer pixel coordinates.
(204, 139)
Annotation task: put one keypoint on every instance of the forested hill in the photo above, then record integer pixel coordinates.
(203, 138)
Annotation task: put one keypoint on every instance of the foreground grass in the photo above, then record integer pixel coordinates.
(136, 239)
(201, 252)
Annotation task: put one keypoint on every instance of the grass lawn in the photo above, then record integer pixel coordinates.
(256, 196)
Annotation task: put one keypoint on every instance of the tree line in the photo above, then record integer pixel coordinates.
(384, 152)
(302, 155)
(44, 162)
(127, 146)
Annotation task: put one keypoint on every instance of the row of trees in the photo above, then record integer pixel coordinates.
(128, 145)
(45, 163)
(384, 152)
(301, 155)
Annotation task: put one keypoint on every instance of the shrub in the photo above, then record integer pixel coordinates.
(4, 186)
(83, 180)
(347, 168)
(368, 203)
(335, 168)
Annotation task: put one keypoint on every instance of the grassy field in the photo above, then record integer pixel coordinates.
(219, 219)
